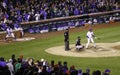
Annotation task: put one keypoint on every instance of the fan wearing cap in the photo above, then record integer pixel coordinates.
(106, 72)
(90, 36)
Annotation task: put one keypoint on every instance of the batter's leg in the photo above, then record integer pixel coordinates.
(94, 45)
(88, 41)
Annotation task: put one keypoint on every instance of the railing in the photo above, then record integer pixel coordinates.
(53, 21)
(70, 17)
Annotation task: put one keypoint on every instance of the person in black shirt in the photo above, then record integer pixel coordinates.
(66, 39)
(78, 44)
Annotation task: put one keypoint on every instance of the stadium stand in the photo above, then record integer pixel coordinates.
(29, 66)
(20, 11)
(51, 15)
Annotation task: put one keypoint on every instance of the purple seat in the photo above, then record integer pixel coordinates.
(60, 27)
(44, 29)
(36, 29)
(30, 30)
(71, 24)
(53, 27)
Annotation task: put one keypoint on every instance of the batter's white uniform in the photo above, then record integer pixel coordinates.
(90, 36)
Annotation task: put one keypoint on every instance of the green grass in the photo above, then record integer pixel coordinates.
(35, 49)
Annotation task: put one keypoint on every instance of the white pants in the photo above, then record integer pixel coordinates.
(88, 42)
(79, 47)
(10, 35)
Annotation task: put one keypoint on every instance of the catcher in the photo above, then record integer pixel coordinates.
(78, 44)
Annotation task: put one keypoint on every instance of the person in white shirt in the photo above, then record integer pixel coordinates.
(37, 16)
(90, 22)
(90, 36)
(10, 67)
(95, 21)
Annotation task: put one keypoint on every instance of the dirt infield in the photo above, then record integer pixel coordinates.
(102, 50)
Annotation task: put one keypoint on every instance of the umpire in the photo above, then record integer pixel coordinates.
(66, 39)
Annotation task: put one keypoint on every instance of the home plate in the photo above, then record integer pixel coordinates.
(25, 39)
(100, 49)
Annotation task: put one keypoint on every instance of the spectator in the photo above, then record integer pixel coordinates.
(37, 16)
(106, 72)
(13, 59)
(29, 67)
(97, 72)
(73, 71)
(3, 26)
(18, 65)
(6, 71)
(88, 71)
(80, 72)
(44, 72)
(25, 10)
(10, 66)
(76, 11)
(2, 62)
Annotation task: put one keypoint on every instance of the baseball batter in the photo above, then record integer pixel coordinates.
(90, 36)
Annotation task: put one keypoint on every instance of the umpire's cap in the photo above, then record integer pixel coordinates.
(79, 37)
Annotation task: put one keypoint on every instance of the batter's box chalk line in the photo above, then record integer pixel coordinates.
(25, 39)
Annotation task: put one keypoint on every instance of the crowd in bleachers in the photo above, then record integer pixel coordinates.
(13, 12)
(29, 10)
(29, 66)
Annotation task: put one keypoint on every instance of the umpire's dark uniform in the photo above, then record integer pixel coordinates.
(66, 39)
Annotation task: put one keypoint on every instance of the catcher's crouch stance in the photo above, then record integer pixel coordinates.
(78, 44)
